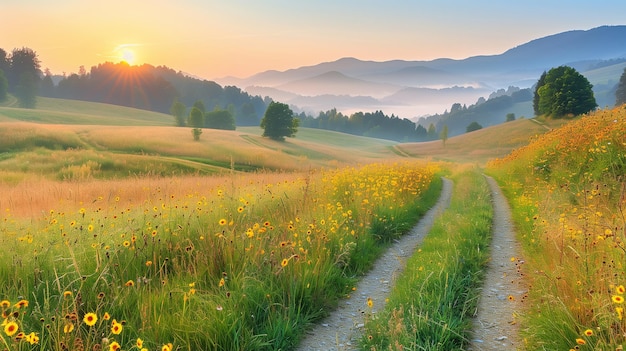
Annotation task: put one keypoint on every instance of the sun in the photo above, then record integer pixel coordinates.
(127, 55)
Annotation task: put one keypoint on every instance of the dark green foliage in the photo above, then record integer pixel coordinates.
(26, 90)
(443, 135)
(372, 124)
(541, 82)
(565, 92)
(22, 61)
(154, 88)
(473, 126)
(196, 118)
(196, 132)
(432, 131)
(200, 106)
(178, 111)
(4, 86)
(46, 86)
(279, 122)
(620, 93)
(219, 119)
(510, 117)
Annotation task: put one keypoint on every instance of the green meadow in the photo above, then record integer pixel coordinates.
(122, 232)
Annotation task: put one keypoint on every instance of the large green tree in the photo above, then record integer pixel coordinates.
(565, 92)
(620, 93)
(22, 61)
(278, 122)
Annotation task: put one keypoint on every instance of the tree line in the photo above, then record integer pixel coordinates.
(154, 88)
(145, 87)
(371, 124)
(20, 75)
(559, 92)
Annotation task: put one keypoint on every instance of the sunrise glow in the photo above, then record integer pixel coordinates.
(245, 38)
(128, 56)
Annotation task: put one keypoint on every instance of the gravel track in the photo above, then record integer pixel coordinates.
(495, 324)
(342, 328)
(500, 302)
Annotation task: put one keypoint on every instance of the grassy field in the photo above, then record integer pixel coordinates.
(120, 225)
(482, 145)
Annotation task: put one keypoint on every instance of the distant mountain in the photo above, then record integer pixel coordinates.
(408, 88)
(337, 83)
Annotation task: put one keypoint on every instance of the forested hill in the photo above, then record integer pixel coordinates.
(153, 88)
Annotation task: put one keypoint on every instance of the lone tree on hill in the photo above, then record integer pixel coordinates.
(620, 93)
(564, 92)
(278, 122)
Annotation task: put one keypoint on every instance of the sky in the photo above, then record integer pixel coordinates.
(218, 38)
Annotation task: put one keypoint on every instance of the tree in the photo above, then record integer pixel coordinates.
(219, 119)
(473, 126)
(620, 93)
(196, 121)
(4, 86)
(47, 86)
(443, 135)
(26, 90)
(21, 61)
(200, 106)
(565, 92)
(510, 117)
(432, 132)
(196, 118)
(178, 111)
(278, 122)
(540, 83)
(4, 61)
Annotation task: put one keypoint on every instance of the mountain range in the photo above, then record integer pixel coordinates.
(411, 89)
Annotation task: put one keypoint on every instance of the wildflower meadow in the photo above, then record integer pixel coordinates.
(242, 263)
(568, 192)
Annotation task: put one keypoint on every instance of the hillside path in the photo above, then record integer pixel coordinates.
(341, 330)
(495, 324)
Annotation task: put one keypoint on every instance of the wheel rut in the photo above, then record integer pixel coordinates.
(342, 328)
(496, 324)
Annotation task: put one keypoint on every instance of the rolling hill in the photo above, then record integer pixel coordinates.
(65, 140)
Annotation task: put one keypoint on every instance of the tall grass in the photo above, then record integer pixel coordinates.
(432, 303)
(237, 265)
(568, 194)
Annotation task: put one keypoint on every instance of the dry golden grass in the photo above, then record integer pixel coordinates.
(481, 145)
(36, 196)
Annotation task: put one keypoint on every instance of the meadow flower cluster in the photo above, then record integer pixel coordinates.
(568, 190)
(242, 264)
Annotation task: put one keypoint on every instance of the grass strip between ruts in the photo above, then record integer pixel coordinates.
(433, 300)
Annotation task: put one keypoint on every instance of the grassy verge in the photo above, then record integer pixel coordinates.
(432, 303)
(567, 191)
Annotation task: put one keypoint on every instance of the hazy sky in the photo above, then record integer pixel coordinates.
(216, 38)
